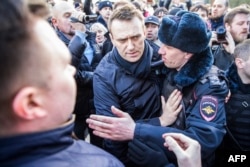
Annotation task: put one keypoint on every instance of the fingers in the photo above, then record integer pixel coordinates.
(100, 118)
(173, 145)
(183, 140)
(102, 124)
(177, 102)
(118, 113)
(162, 102)
(102, 134)
(100, 127)
(174, 99)
(177, 136)
(228, 96)
(178, 109)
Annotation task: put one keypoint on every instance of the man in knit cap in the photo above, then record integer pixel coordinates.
(105, 9)
(186, 54)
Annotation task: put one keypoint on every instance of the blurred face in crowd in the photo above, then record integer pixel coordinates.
(176, 1)
(173, 58)
(106, 12)
(57, 98)
(143, 3)
(218, 8)
(202, 14)
(160, 15)
(100, 38)
(152, 31)
(239, 28)
(128, 37)
(61, 18)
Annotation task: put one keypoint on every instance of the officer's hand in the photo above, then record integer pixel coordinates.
(171, 108)
(146, 155)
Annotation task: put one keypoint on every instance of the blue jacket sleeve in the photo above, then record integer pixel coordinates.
(104, 95)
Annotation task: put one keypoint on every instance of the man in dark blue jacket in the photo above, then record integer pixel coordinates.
(125, 77)
(37, 96)
(186, 53)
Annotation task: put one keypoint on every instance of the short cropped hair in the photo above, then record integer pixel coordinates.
(19, 63)
(242, 50)
(120, 3)
(127, 12)
(14, 32)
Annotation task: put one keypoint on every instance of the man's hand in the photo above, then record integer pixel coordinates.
(171, 108)
(187, 150)
(230, 45)
(118, 128)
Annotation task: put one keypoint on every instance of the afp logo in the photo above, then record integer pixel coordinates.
(232, 158)
(237, 158)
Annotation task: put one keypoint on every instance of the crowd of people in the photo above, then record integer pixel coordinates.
(162, 84)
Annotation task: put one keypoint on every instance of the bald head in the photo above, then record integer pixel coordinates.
(61, 8)
(61, 14)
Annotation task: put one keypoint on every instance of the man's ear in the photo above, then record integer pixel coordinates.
(27, 104)
(239, 63)
(228, 27)
(54, 21)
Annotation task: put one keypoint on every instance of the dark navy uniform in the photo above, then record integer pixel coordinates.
(204, 90)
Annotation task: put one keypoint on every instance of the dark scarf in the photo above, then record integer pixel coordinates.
(141, 68)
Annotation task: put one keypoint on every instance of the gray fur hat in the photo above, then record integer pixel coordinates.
(185, 31)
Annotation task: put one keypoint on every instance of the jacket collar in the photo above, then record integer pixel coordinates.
(195, 68)
(28, 147)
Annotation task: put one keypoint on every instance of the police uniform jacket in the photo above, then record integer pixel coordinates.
(52, 148)
(132, 87)
(204, 91)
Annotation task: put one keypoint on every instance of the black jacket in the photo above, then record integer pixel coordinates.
(238, 114)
